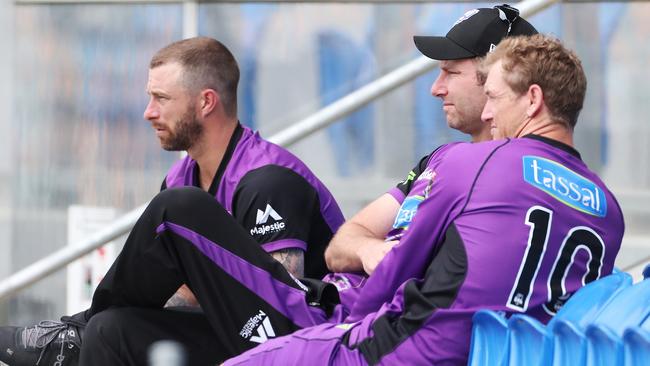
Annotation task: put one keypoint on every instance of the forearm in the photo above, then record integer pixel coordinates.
(342, 254)
(359, 243)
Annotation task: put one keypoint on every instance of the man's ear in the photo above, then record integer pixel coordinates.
(209, 100)
(535, 96)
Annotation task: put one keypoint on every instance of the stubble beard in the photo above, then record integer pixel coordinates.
(186, 133)
(467, 121)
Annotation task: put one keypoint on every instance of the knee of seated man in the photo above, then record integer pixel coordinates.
(182, 199)
(106, 328)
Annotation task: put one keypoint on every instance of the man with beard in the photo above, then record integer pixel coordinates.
(363, 241)
(271, 199)
(514, 225)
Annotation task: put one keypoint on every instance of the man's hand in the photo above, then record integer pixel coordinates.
(368, 228)
(371, 254)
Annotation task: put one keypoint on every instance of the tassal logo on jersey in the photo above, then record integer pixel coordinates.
(258, 328)
(565, 185)
(407, 211)
(261, 221)
(409, 207)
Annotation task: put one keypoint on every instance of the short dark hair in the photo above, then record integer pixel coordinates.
(207, 64)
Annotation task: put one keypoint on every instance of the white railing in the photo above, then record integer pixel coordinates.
(297, 131)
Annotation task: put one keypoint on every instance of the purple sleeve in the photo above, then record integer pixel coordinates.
(397, 194)
(448, 194)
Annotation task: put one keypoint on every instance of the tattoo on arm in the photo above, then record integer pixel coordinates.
(182, 297)
(177, 300)
(292, 259)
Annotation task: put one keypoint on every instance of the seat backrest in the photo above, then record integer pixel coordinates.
(636, 342)
(569, 345)
(630, 307)
(525, 341)
(587, 303)
(488, 339)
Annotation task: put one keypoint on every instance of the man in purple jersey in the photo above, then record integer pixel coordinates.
(361, 243)
(282, 308)
(268, 193)
(493, 201)
(515, 225)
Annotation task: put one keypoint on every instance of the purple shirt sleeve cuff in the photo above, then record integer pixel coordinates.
(284, 244)
(397, 194)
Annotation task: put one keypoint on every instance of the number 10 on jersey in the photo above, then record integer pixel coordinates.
(540, 220)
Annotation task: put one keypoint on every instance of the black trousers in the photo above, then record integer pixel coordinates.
(185, 236)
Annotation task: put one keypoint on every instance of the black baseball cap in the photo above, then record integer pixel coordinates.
(476, 33)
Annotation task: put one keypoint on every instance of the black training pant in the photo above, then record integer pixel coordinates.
(185, 236)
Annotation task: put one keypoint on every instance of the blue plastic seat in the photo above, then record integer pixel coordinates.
(565, 341)
(605, 336)
(587, 303)
(569, 344)
(636, 346)
(636, 342)
(525, 341)
(488, 339)
(646, 271)
(530, 342)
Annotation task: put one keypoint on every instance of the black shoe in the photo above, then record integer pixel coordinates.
(49, 343)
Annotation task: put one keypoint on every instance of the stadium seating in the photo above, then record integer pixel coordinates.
(636, 345)
(566, 329)
(636, 339)
(525, 341)
(488, 339)
(605, 335)
(569, 344)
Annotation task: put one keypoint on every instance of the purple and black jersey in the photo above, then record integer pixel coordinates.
(515, 226)
(272, 194)
(409, 193)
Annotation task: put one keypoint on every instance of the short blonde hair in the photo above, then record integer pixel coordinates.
(544, 61)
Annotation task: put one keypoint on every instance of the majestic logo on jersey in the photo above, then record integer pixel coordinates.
(256, 332)
(263, 216)
(565, 185)
(262, 219)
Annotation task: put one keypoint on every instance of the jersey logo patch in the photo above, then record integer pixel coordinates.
(565, 185)
(263, 227)
(256, 332)
(407, 211)
(263, 216)
(427, 174)
(409, 178)
(466, 16)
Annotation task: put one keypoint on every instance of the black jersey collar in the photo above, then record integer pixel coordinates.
(555, 143)
(234, 139)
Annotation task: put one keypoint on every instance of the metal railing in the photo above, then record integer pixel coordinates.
(287, 137)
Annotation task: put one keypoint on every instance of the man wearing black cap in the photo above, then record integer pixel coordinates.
(287, 304)
(363, 241)
(514, 225)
